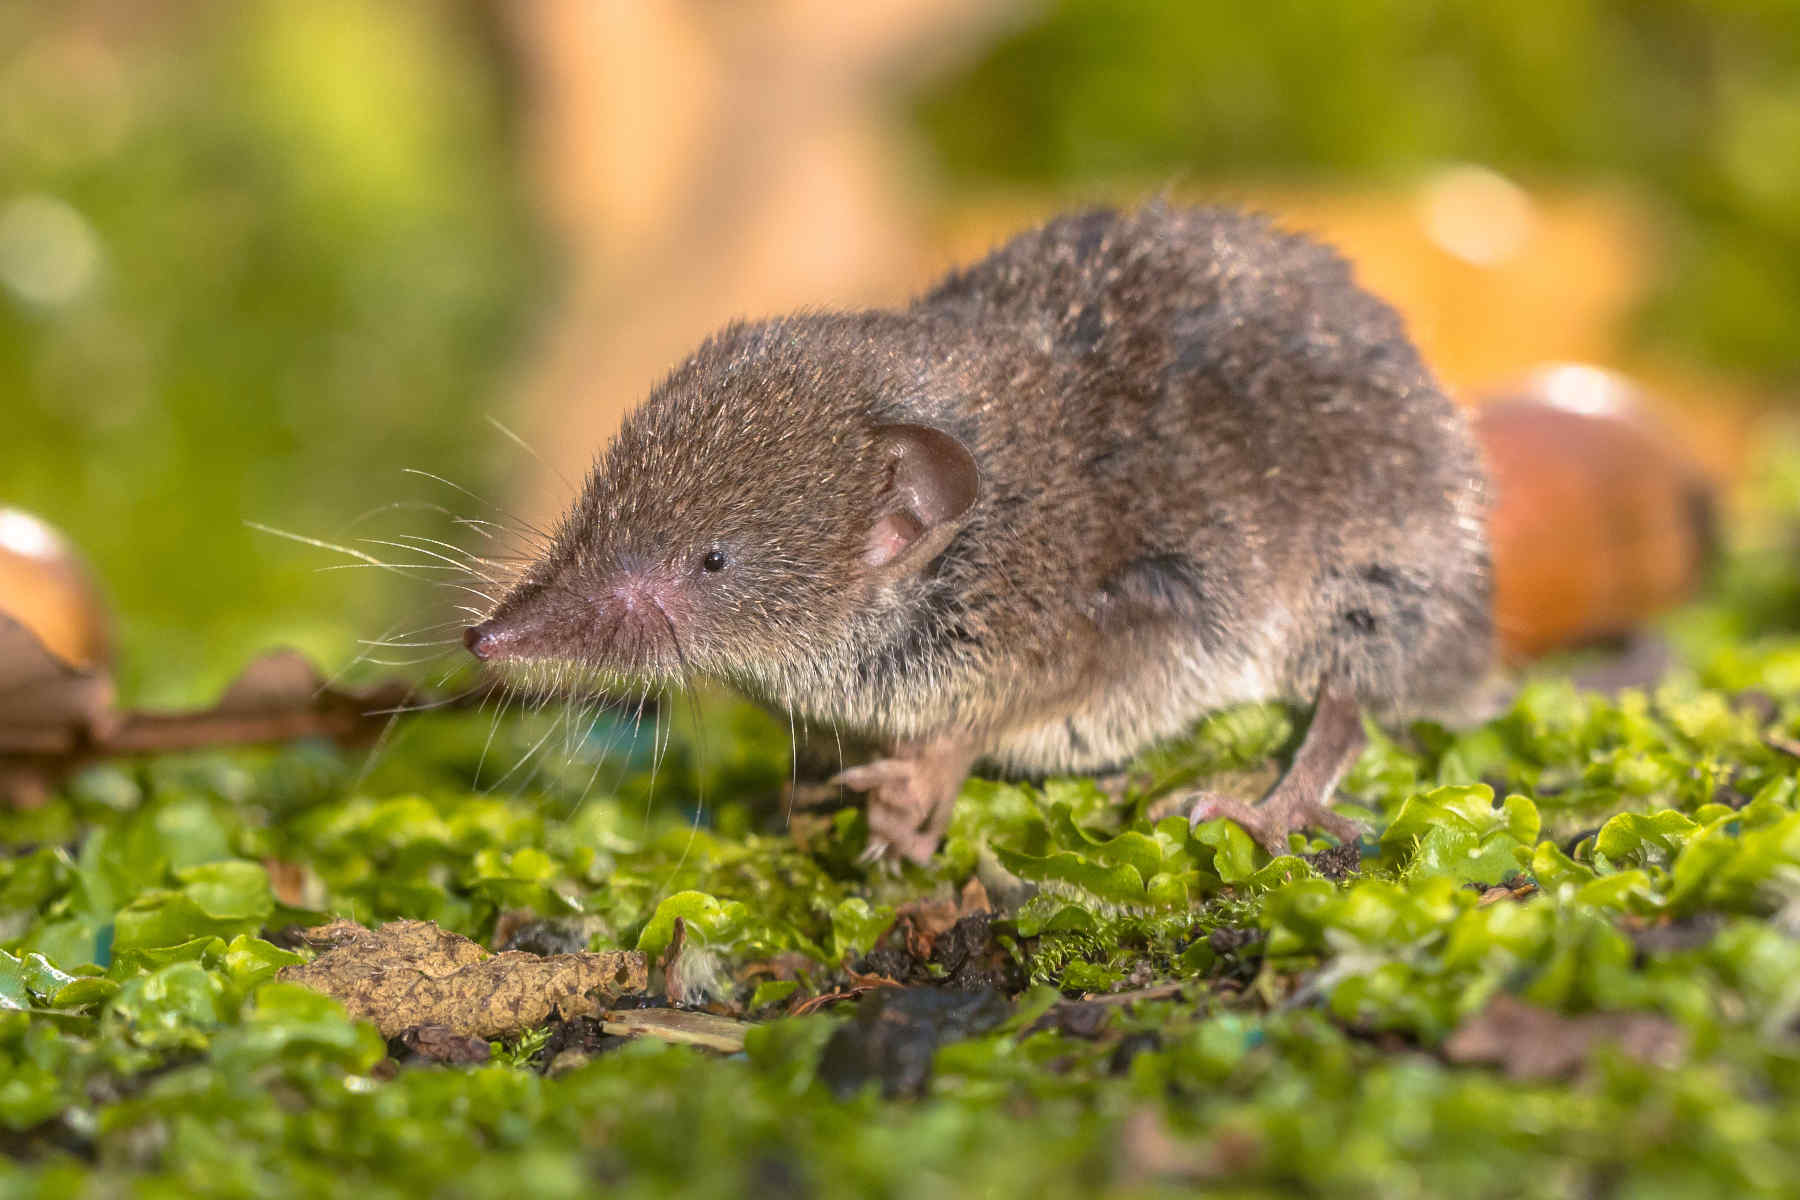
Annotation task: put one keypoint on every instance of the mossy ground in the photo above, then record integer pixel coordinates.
(1649, 844)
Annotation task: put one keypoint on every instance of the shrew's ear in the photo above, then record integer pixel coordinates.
(931, 482)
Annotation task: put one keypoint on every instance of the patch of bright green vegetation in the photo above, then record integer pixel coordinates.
(1650, 845)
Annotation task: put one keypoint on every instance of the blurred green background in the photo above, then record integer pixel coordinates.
(1695, 102)
(256, 258)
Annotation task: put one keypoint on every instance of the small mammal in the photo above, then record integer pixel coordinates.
(1126, 470)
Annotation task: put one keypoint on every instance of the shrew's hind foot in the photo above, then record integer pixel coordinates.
(1279, 813)
(1301, 799)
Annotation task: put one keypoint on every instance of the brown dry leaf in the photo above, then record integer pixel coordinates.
(801, 1007)
(686, 976)
(919, 924)
(409, 974)
(678, 1025)
(784, 964)
(295, 884)
(1530, 1042)
(1499, 892)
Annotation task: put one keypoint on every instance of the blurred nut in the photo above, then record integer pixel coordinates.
(55, 632)
(46, 587)
(1600, 519)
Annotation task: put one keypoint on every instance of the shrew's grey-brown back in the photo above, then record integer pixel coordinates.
(1126, 470)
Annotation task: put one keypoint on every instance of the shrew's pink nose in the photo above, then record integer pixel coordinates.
(481, 640)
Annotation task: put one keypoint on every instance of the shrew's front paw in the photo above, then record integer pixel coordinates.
(908, 812)
(912, 794)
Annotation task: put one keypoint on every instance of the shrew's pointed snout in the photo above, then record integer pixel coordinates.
(529, 623)
(521, 628)
(624, 623)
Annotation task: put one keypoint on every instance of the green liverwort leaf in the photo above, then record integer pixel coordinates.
(1636, 839)
(1458, 833)
(855, 926)
(706, 918)
(14, 994)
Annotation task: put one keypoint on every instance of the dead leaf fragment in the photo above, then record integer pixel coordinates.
(1516, 891)
(919, 924)
(1530, 1042)
(678, 1025)
(295, 884)
(409, 974)
(802, 1006)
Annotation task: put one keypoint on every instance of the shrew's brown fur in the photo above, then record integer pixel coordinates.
(1210, 469)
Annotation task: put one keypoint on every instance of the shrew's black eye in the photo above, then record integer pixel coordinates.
(714, 561)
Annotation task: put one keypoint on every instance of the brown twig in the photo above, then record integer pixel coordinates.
(33, 756)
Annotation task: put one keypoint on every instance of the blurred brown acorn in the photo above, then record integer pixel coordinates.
(1600, 520)
(56, 684)
(57, 701)
(55, 629)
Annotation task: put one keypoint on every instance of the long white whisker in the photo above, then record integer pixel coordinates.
(525, 758)
(398, 644)
(520, 443)
(443, 558)
(428, 705)
(687, 847)
(364, 559)
(506, 698)
(398, 568)
(587, 738)
(481, 500)
(463, 553)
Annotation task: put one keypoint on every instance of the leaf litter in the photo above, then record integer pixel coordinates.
(412, 974)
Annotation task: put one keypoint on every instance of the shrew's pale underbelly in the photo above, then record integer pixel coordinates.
(1165, 696)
